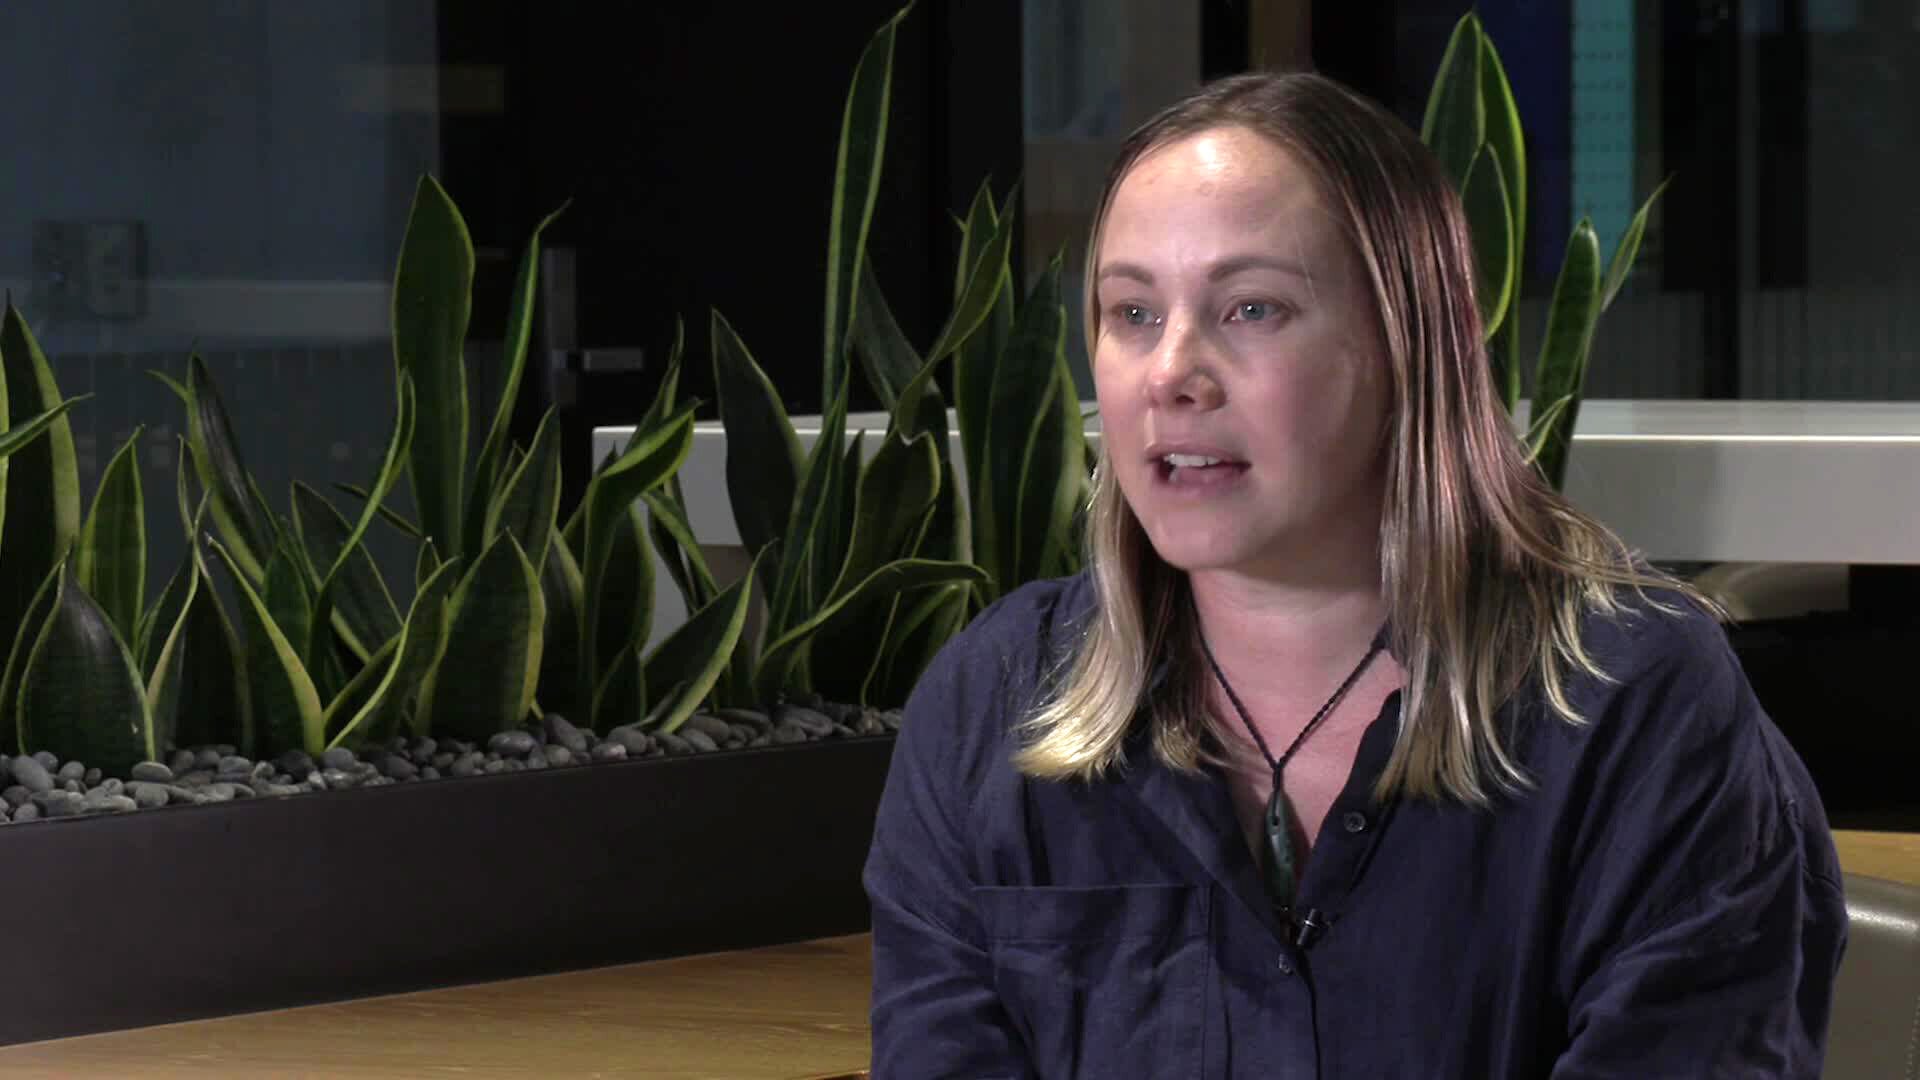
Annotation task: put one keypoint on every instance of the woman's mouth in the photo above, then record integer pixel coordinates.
(1198, 472)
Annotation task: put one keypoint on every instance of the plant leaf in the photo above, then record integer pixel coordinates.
(529, 504)
(239, 512)
(856, 187)
(984, 283)
(917, 632)
(432, 300)
(23, 636)
(288, 595)
(80, 695)
(620, 697)
(784, 659)
(763, 453)
(1563, 353)
(354, 694)
(363, 610)
(392, 463)
(698, 651)
(562, 587)
(111, 559)
(664, 399)
(1051, 481)
(484, 682)
(514, 354)
(285, 702)
(622, 605)
(888, 358)
(23, 433)
(417, 651)
(1504, 134)
(1629, 248)
(214, 700)
(391, 516)
(1454, 124)
(1490, 218)
(806, 551)
(41, 475)
(674, 540)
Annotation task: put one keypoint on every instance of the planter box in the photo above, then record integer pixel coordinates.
(197, 911)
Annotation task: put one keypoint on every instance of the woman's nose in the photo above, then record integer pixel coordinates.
(1182, 371)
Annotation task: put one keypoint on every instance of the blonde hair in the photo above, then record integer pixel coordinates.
(1486, 571)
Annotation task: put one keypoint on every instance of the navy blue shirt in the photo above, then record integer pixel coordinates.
(1664, 903)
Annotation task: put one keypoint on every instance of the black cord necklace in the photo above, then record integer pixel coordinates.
(1277, 859)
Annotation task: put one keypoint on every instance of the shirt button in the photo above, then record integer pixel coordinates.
(1286, 964)
(1355, 821)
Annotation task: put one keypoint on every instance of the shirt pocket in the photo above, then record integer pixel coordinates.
(1106, 981)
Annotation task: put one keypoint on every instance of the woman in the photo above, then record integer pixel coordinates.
(1355, 751)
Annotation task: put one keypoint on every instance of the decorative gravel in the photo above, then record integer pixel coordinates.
(40, 787)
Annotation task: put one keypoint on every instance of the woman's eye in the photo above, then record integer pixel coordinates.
(1135, 315)
(1255, 311)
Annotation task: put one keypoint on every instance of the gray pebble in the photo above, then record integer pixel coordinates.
(178, 794)
(197, 778)
(263, 772)
(460, 746)
(699, 740)
(815, 723)
(181, 761)
(47, 760)
(32, 774)
(443, 759)
(107, 804)
(16, 795)
(72, 770)
(242, 791)
(336, 778)
(869, 723)
(338, 757)
(270, 789)
(378, 781)
(295, 763)
(636, 741)
(559, 756)
(208, 758)
(152, 772)
(219, 793)
(234, 763)
(841, 731)
(891, 719)
(753, 718)
(224, 749)
(514, 765)
(398, 768)
(424, 750)
(59, 803)
(23, 814)
(92, 777)
(109, 786)
(561, 730)
(6, 815)
(147, 794)
(674, 743)
(429, 773)
(787, 734)
(512, 743)
(466, 764)
(495, 766)
(76, 786)
(711, 726)
(538, 759)
(365, 770)
(316, 782)
(610, 751)
(741, 732)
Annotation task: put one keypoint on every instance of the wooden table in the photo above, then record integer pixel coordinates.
(784, 1012)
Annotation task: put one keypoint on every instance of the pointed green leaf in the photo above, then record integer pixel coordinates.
(620, 697)
(983, 217)
(856, 187)
(415, 652)
(80, 695)
(354, 694)
(1629, 248)
(285, 702)
(674, 540)
(529, 504)
(243, 518)
(1489, 217)
(22, 636)
(763, 453)
(1020, 400)
(608, 504)
(363, 611)
(40, 515)
(111, 560)
(916, 633)
(425, 562)
(18, 436)
(665, 398)
(798, 587)
(1503, 134)
(564, 591)
(288, 594)
(159, 620)
(1563, 353)
(888, 358)
(432, 299)
(1541, 427)
(392, 517)
(519, 330)
(692, 658)
(214, 698)
(331, 573)
(622, 603)
(984, 283)
(1051, 483)
(784, 657)
(896, 492)
(484, 682)
(1454, 124)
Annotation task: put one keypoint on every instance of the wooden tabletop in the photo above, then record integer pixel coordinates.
(779, 1013)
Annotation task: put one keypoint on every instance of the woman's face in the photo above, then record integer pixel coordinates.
(1243, 398)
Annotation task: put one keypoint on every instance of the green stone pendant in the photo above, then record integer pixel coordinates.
(1276, 861)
